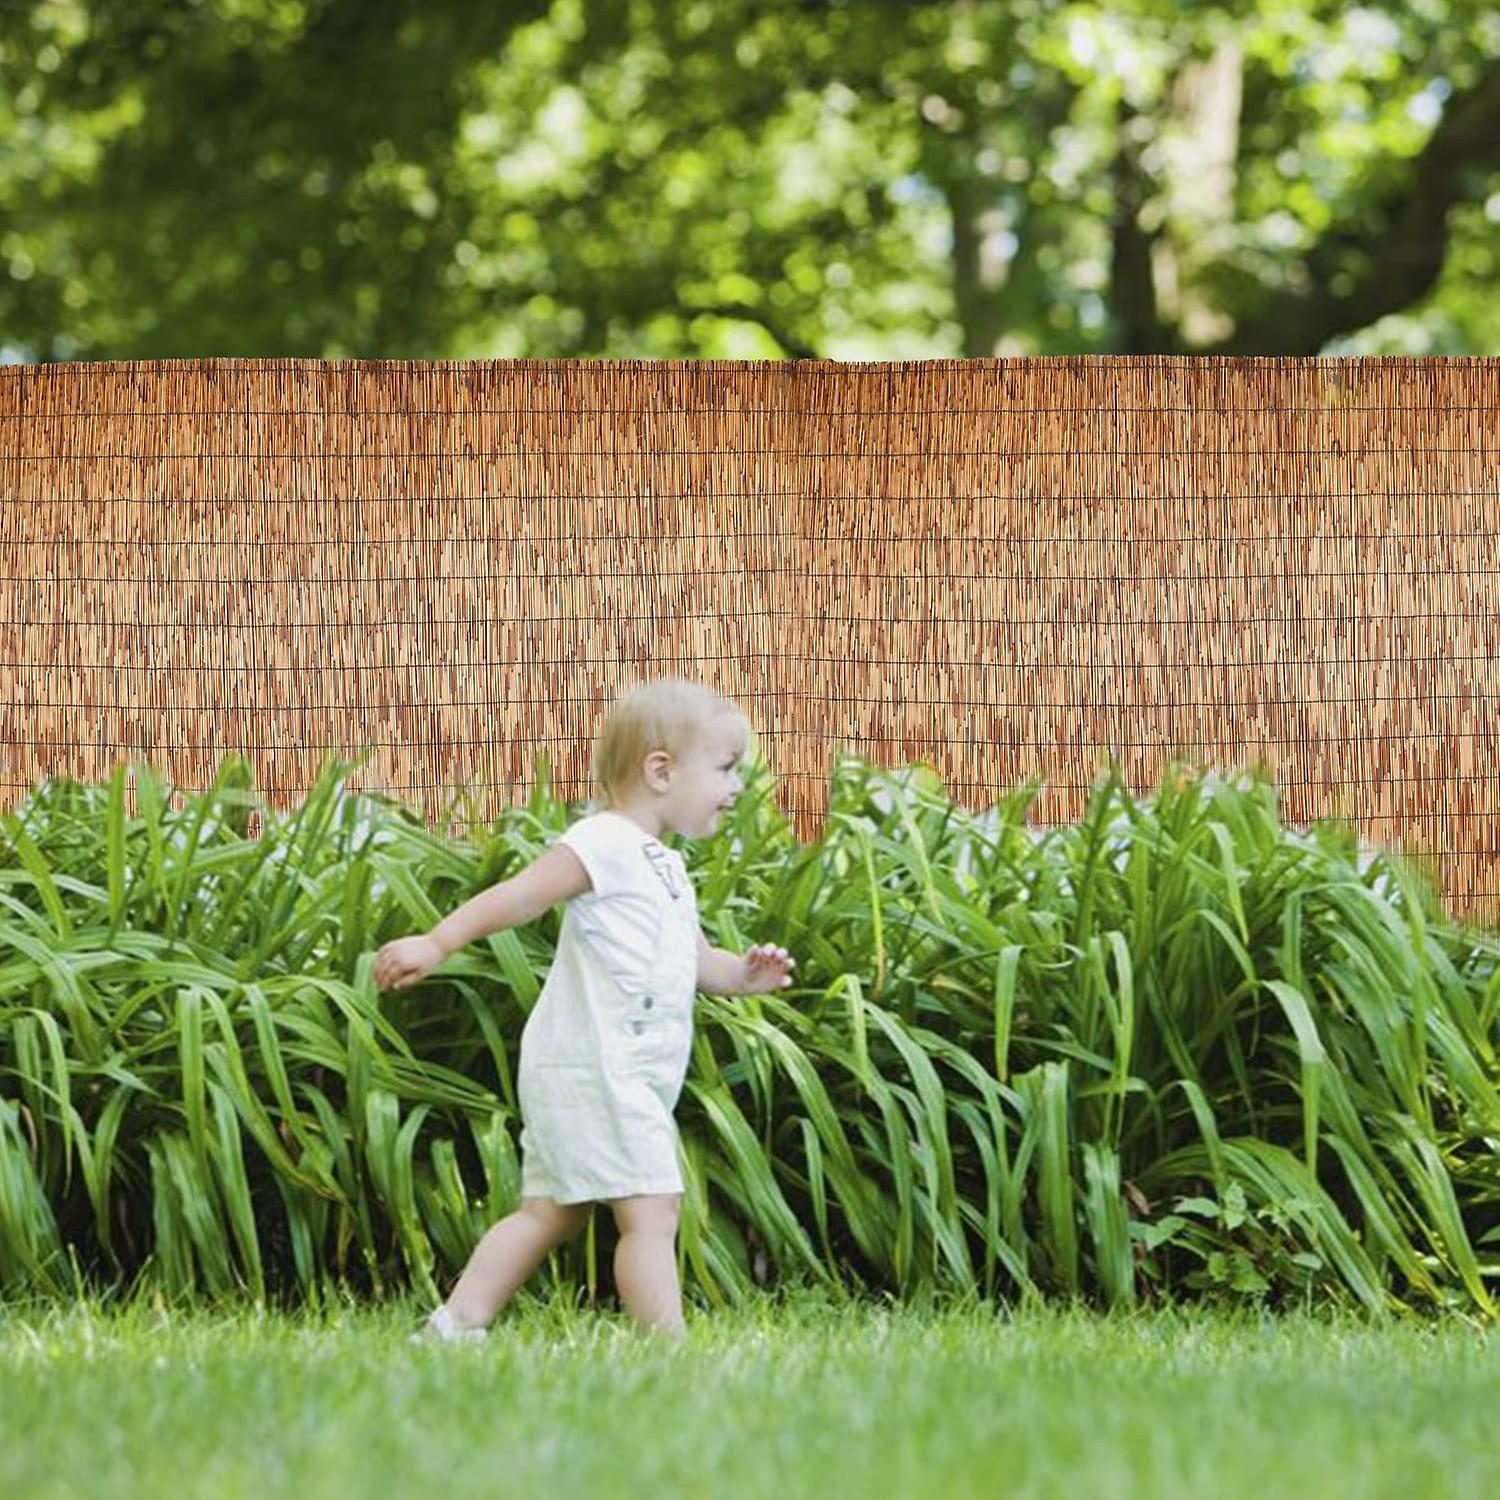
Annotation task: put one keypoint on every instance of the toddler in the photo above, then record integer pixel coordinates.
(605, 1048)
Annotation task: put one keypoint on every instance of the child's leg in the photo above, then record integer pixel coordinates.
(646, 1260)
(509, 1252)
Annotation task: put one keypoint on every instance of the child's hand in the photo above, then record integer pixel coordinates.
(767, 967)
(403, 961)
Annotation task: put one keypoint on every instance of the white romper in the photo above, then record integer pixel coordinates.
(605, 1048)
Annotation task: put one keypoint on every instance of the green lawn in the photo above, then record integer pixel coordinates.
(783, 1400)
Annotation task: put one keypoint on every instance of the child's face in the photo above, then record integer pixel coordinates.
(708, 780)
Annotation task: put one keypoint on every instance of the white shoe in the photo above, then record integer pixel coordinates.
(440, 1328)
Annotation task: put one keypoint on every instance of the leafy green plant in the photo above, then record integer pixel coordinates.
(1178, 1050)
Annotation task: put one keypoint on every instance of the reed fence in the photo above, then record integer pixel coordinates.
(1003, 568)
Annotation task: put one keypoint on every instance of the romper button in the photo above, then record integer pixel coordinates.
(646, 1003)
(635, 1026)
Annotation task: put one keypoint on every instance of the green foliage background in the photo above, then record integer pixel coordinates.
(825, 178)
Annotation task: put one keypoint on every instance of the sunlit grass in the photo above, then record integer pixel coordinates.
(800, 1397)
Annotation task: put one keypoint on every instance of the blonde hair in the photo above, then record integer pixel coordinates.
(667, 713)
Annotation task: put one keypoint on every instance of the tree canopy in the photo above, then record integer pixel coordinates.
(808, 178)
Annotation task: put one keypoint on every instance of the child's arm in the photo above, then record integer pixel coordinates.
(764, 967)
(719, 971)
(554, 875)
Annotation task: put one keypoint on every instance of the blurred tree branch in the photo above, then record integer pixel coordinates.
(1393, 252)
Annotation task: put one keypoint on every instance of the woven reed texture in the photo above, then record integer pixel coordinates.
(1003, 568)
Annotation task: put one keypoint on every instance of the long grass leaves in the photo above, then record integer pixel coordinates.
(1177, 1050)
